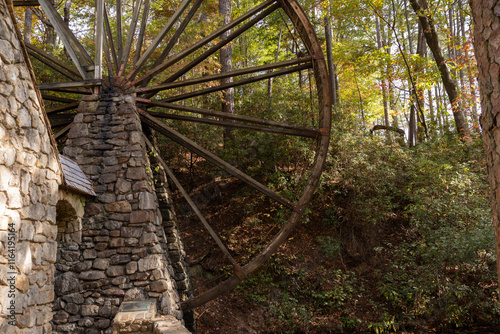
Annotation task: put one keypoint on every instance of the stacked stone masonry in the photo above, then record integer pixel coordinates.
(29, 181)
(68, 261)
(124, 254)
(174, 240)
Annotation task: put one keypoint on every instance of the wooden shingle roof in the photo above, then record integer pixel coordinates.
(74, 178)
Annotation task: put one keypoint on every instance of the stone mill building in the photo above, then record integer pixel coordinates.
(86, 233)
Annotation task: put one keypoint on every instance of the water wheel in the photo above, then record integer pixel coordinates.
(169, 79)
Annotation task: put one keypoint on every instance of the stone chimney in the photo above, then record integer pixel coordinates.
(125, 254)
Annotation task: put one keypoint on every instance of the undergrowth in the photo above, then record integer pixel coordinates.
(407, 242)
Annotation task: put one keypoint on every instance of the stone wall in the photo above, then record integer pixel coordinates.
(29, 180)
(176, 251)
(124, 253)
(65, 268)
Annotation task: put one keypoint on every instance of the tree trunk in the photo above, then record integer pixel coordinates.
(487, 50)
(51, 34)
(388, 70)
(450, 86)
(28, 23)
(412, 133)
(329, 57)
(470, 75)
(226, 61)
(67, 7)
(270, 80)
(432, 128)
(419, 96)
(438, 110)
(382, 83)
(412, 121)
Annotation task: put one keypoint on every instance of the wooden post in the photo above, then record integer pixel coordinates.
(65, 35)
(99, 30)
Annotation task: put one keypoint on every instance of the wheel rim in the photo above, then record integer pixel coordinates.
(157, 80)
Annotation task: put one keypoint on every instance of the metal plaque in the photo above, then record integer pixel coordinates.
(135, 306)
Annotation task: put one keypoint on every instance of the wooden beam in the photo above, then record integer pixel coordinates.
(71, 91)
(181, 55)
(107, 55)
(119, 30)
(99, 34)
(73, 47)
(228, 124)
(26, 3)
(53, 66)
(219, 76)
(218, 46)
(223, 115)
(48, 56)
(57, 98)
(63, 131)
(237, 83)
(60, 123)
(70, 84)
(109, 35)
(193, 206)
(130, 38)
(65, 107)
(154, 44)
(65, 33)
(140, 39)
(178, 33)
(195, 148)
(64, 116)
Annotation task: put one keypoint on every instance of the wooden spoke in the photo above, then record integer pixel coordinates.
(119, 29)
(107, 54)
(73, 47)
(57, 98)
(99, 34)
(111, 43)
(61, 132)
(221, 44)
(63, 108)
(34, 50)
(145, 56)
(224, 115)
(249, 268)
(144, 21)
(309, 134)
(52, 66)
(237, 83)
(195, 148)
(27, 3)
(174, 59)
(55, 124)
(130, 38)
(63, 116)
(308, 36)
(219, 76)
(71, 84)
(193, 206)
(177, 34)
(70, 90)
